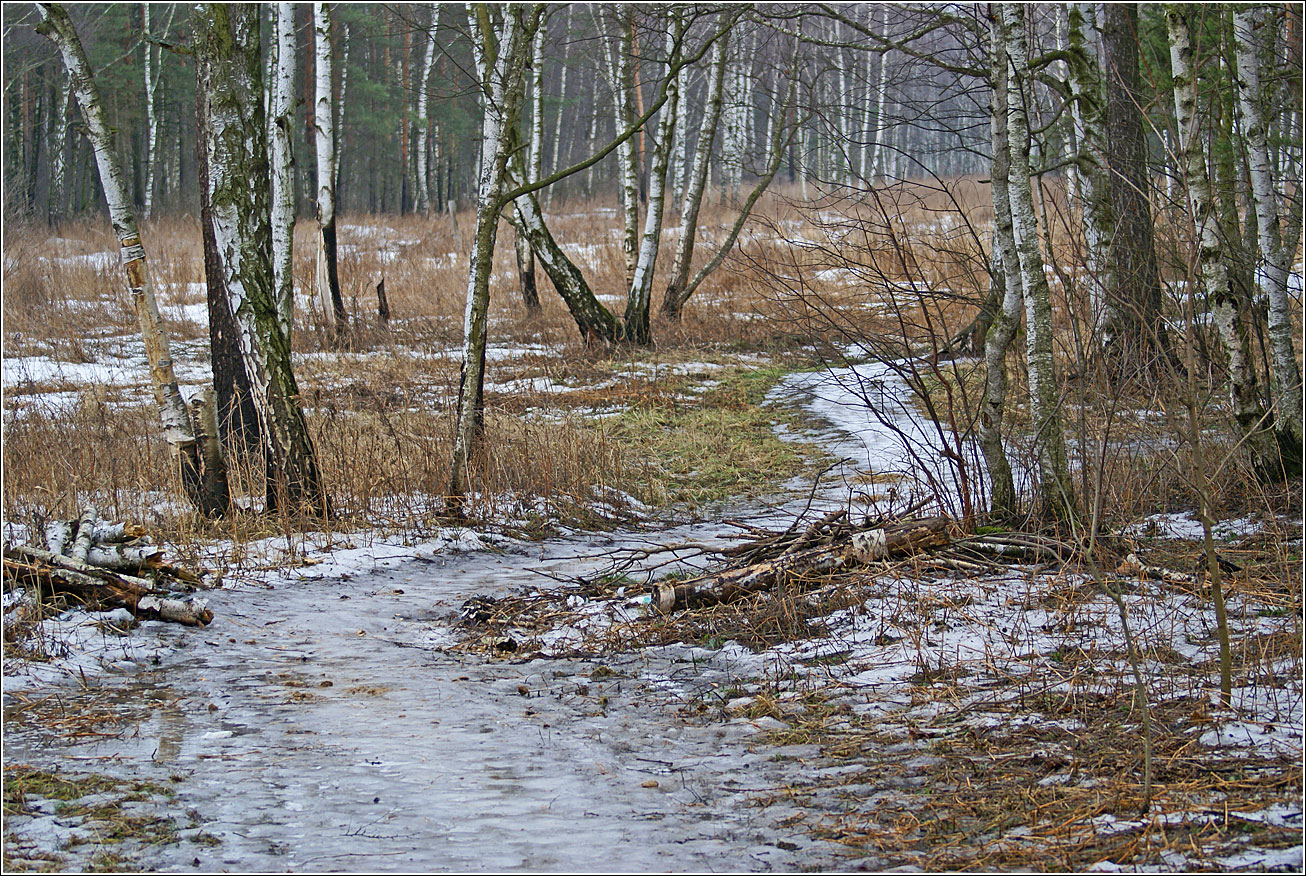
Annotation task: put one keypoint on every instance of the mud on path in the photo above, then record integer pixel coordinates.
(318, 726)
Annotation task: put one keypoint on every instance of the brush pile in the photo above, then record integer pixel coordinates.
(834, 550)
(103, 566)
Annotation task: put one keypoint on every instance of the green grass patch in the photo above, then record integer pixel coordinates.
(720, 446)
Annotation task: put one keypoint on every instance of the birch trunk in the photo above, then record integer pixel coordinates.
(1056, 492)
(1249, 26)
(627, 154)
(501, 57)
(281, 157)
(235, 145)
(151, 115)
(672, 302)
(205, 488)
(562, 107)
(58, 148)
(877, 149)
(1006, 317)
(1089, 114)
(328, 278)
(641, 288)
(1248, 412)
(420, 150)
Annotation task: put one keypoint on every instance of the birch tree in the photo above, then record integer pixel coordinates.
(282, 164)
(1251, 30)
(1056, 491)
(59, 149)
(234, 141)
(1006, 316)
(672, 301)
(423, 123)
(203, 477)
(502, 51)
(152, 61)
(328, 278)
(641, 287)
(1249, 414)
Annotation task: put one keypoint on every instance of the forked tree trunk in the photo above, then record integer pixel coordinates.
(1056, 491)
(672, 303)
(235, 143)
(328, 278)
(281, 156)
(1251, 417)
(206, 488)
(641, 288)
(1250, 28)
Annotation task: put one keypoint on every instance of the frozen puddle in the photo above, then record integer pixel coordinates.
(317, 726)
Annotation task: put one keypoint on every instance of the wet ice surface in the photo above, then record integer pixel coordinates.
(317, 727)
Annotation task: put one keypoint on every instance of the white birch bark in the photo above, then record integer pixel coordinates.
(328, 284)
(877, 149)
(1249, 23)
(562, 106)
(641, 288)
(234, 140)
(1088, 111)
(1006, 319)
(501, 55)
(621, 78)
(1056, 490)
(693, 199)
(1211, 266)
(423, 122)
(282, 164)
(178, 430)
(58, 146)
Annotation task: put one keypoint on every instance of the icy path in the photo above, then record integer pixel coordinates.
(316, 729)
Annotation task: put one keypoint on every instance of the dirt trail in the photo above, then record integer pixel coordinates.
(316, 728)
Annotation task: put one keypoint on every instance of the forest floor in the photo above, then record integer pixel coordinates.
(342, 712)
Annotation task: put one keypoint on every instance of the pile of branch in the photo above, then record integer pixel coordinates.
(769, 559)
(104, 566)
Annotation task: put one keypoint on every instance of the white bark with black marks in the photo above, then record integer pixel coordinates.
(281, 105)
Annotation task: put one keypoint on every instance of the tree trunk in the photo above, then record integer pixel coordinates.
(328, 279)
(237, 414)
(1090, 118)
(1006, 317)
(501, 60)
(206, 489)
(672, 303)
(641, 288)
(1250, 27)
(281, 156)
(1252, 419)
(235, 142)
(1132, 330)
(420, 149)
(1056, 491)
(58, 150)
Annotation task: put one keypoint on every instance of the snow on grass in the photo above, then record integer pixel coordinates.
(1186, 526)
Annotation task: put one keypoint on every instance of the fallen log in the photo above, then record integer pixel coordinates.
(98, 588)
(885, 542)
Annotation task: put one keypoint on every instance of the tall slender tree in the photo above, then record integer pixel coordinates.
(202, 474)
(234, 140)
(328, 277)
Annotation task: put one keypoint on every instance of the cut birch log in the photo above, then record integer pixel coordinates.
(901, 538)
(57, 535)
(102, 590)
(85, 532)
